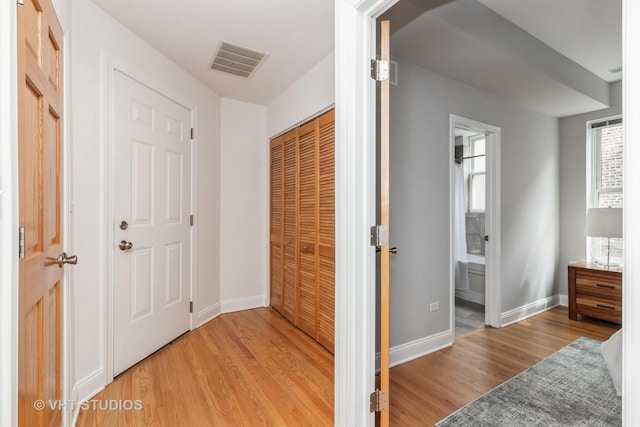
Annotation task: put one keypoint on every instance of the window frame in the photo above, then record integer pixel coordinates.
(594, 161)
(594, 170)
(472, 174)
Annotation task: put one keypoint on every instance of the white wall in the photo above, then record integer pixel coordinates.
(420, 108)
(311, 94)
(573, 182)
(8, 217)
(244, 206)
(94, 33)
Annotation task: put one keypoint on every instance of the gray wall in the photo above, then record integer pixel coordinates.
(420, 108)
(573, 182)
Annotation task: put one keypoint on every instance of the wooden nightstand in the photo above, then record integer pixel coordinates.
(595, 292)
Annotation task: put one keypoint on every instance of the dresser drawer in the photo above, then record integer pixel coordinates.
(598, 286)
(609, 310)
(595, 292)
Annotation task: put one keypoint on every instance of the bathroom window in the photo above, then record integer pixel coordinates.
(605, 143)
(477, 174)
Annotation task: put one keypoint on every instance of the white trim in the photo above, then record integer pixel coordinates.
(111, 64)
(493, 286)
(8, 217)
(208, 314)
(472, 296)
(529, 310)
(355, 211)
(90, 385)
(415, 349)
(563, 300)
(240, 304)
(85, 389)
(194, 211)
(631, 212)
(68, 329)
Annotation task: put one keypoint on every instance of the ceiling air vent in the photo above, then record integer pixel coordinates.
(237, 60)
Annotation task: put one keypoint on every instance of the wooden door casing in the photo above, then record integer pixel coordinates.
(40, 118)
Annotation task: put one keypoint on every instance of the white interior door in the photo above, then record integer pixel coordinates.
(151, 207)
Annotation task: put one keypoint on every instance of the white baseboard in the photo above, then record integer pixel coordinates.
(85, 389)
(229, 306)
(472, 296)
(207, 314)
(73, 397)
(412, 350)
(528, 310)
(239, 304)
(563, 300)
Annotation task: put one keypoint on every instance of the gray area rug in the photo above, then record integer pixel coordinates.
(571, 387)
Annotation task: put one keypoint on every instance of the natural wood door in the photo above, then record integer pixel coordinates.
(326, 229)
(40, 118)
(276, 223)
(384, 221)
(308, 228)
(289, 227)
(152, 195)
(303, 227)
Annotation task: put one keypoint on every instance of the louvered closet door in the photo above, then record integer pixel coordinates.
(308, 224)
(277, 215)
(289, 294)
(326, 230)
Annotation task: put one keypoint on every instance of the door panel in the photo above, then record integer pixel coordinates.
(39, 38)
(276, 223)
(307, 226)
(290, 296)
(152, 183)
(326, 229)
(384, 221)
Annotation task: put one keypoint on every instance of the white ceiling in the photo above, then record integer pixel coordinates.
(557, 65)
(298, 34)
(588, 32)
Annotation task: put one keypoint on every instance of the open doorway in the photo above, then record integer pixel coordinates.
(474, 187)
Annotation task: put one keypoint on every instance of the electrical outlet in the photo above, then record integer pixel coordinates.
(435, 306)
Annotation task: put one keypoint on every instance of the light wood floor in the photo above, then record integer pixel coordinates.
(248, 368)
(254, 368)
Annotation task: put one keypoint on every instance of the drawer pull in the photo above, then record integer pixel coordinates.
(602, 285)
(608, 307)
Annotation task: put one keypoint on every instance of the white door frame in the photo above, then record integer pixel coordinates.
(111, 66)
(492, 219)
(355, 209)
(9, 216)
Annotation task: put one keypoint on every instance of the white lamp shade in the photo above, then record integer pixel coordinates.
(604, 222)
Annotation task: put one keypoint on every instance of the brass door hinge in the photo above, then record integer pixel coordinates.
(192, 133)
(191, 220)
(190, 306)
(378, 401)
